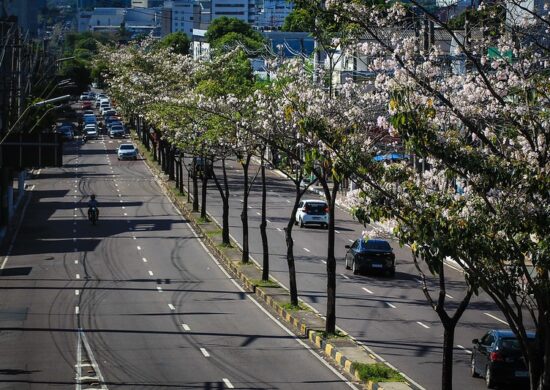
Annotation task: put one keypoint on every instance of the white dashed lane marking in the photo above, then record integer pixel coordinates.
(367, 290)
(495, 318)
(227, 383)
(159, 289)
(350, 240)
(138, 248)
(464, 349)
(449, 296)
(205, 352)
(76, 310)
(78, 276)
(345, 276)
(422, 325)
(171, 307)
(144, 260)
(390, 305)
(307, 250)
(279, 229)
(151, 273)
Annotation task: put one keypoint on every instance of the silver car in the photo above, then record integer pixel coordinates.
(127, 152)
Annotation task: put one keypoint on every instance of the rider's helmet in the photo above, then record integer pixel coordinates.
(93, 197)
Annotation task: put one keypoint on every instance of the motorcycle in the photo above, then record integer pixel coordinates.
(93, 215)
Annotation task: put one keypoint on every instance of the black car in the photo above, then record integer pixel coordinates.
(497, 357)
(370, 255)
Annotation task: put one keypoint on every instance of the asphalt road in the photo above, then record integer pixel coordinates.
(389, 315)
(135, 301)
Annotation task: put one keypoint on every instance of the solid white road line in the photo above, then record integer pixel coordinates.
(464, 349)
(307, 250)
(390, 305)
(185, 327)
(344, 276)
(367, 290)
(227, 383)
(423, 325)
(495, 318)
(171, 307)
(151, 273)
(205, 352)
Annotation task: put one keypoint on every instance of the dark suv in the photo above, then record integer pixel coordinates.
(497, 357)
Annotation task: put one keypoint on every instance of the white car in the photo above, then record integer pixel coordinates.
(127, 151)
(91, 133)
(312, 212)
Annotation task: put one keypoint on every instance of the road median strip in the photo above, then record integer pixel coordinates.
(343, 350)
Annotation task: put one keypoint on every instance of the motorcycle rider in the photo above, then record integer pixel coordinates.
(92, 204)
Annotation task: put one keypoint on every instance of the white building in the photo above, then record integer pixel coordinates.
(181, 14)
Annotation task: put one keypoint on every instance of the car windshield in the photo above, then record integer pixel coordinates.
(126, 147)
(117, 128)
(377, 245)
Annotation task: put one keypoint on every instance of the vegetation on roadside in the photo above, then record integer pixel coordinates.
(376, 372)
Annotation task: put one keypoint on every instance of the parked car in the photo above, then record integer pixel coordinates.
(117, 131)
(127, 151)
(370, 255)
(497, 357)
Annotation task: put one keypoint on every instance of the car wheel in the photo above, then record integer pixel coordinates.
(354, 267)
(347, 265)
(473, 368)
(489, 380)
(391, 272)
(301, 223)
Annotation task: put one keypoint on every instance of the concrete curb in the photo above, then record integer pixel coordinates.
(301, 325)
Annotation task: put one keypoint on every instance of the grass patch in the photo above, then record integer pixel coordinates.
(290, 307)
(203, 220)
(336, 335)
(264, 283)
(377, 372)
(212, 233)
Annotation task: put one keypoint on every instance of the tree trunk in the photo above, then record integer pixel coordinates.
(180, 168)
(204, 187)
(330, 325)
(448, 347)
(290, 249)
(263, 225)
(244, 212)
(224, 193)
(195, 189)
(171, 152)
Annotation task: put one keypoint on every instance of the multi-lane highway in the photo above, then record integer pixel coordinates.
(134, 302)
(389, 315)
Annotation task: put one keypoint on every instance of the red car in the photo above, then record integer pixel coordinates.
(86, 104)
